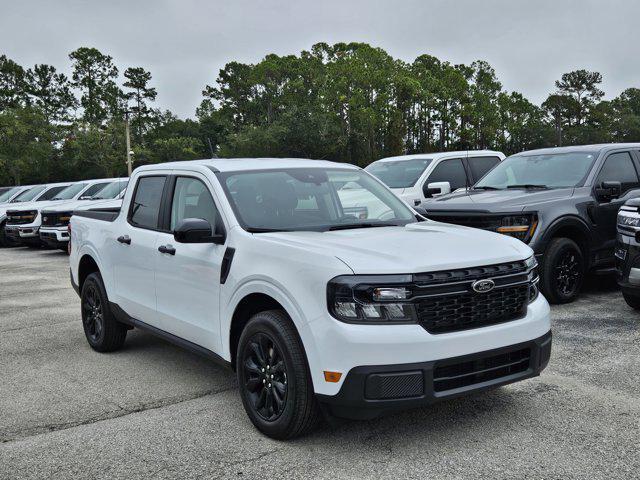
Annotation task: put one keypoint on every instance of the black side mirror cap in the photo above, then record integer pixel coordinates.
(196, 230)
(609, 189)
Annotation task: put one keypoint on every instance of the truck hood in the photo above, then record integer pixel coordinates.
(495, 200)
(34, 205)
(115, 203)
(418, 247)
(69, 206)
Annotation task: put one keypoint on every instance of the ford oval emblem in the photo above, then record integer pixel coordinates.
(483, 286)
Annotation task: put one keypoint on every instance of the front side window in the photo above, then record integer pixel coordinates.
(28, 195)
(192, 199)
(145, 207)
(312, 199)
(93, 189)
(110, 191)
(51, 193)
(619, 167)
(70, 192)
(8, 194)
(552, 170)
(400, 174)
(451, 171)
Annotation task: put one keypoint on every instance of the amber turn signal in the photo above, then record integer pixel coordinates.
(332, 377)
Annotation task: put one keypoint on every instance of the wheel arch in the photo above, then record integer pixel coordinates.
(573, 228)
(86, 266)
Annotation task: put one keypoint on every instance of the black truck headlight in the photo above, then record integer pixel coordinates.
(375, 299)
(521, 227)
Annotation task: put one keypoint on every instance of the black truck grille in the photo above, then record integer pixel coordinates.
(450, 376)
(55, 219)
(15, 217)
(451, 313)
(446, 302)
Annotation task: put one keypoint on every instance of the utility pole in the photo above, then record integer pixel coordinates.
(126, 123)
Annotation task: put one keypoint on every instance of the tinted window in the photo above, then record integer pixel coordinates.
(51, 193)
(8, 194)
(70, 192)
(145, 207)
(93, 189)
(619, 167)
(192, 199)
(481, 165)
(401, 174)
(451, 171)
(28, 195)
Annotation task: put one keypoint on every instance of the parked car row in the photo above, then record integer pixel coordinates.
(38, 215)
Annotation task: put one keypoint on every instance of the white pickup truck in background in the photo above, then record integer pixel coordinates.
(319, 305)
(415, 178)
(55, 219)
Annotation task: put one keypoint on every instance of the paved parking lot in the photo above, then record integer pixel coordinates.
(155, 411)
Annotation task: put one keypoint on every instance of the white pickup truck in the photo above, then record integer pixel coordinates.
(319, 307)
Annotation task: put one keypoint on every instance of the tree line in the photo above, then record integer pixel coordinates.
(345, 102)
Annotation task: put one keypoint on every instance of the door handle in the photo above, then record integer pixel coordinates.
(124, 239)
(167, 249)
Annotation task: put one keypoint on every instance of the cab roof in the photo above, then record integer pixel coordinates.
(595, 148)
(244, 164)
(438, 155)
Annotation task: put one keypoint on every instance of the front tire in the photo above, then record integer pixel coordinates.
(563, 270)
(104, 333)
(273, 376)
(632, 300)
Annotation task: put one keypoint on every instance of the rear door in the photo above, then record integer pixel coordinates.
(188, 278)
(134, 249)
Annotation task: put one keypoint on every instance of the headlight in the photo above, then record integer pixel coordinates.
(371, 299)
(521, 227)
(534, 278)
(625, 221)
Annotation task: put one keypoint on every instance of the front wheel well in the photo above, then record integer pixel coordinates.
(86, 267)
(575, 233)
(247, 308)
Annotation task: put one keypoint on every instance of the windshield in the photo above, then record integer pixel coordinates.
(110, 191)
(28, 195)
(8, 194)
(311, 199)
(70, 192)
(554, 170)
(401, 174)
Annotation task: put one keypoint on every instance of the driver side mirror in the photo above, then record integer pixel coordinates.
(196, 230)
(608, 190)
(436, 188)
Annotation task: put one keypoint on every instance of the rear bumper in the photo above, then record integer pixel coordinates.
(369, 391)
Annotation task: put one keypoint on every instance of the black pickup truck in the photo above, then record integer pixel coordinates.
(561, 201)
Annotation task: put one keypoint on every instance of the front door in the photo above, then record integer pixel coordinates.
(188, 278)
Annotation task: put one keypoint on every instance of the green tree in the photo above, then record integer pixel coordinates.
(94, 75)
(141, 93)
(11, 84)
(51, 92)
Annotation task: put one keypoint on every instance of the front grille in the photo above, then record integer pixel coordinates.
(55, 219)
(450, 376)
(454, 312)
(21, 217)
(474, 273)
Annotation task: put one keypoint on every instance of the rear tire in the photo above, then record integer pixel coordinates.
(104, 333)
(632, 300)
(563, 271)
(274, 379)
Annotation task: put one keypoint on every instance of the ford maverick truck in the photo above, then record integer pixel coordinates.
(321, 307)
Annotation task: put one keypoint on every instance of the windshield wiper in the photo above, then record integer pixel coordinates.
(348, 226)
(57, 198)
(486, 187)
(528, 185)
(263, 230)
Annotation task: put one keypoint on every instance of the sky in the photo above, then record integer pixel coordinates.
(185, 43)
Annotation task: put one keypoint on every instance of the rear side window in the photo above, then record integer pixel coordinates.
(481, 165)
(619, 167)
(451, 171)
(145, 207)
(52, 192)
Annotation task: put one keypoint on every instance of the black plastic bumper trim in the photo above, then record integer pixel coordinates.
(351, 401)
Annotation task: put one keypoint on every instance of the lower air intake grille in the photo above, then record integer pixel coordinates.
(385, 386)
(450, 376)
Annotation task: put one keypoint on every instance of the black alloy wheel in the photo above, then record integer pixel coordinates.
(568, 273)
(265, 376)
(562, 271)
(92, 313)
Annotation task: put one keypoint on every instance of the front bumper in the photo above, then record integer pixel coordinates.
(26, 235)
(369, 391)
(55, 237)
